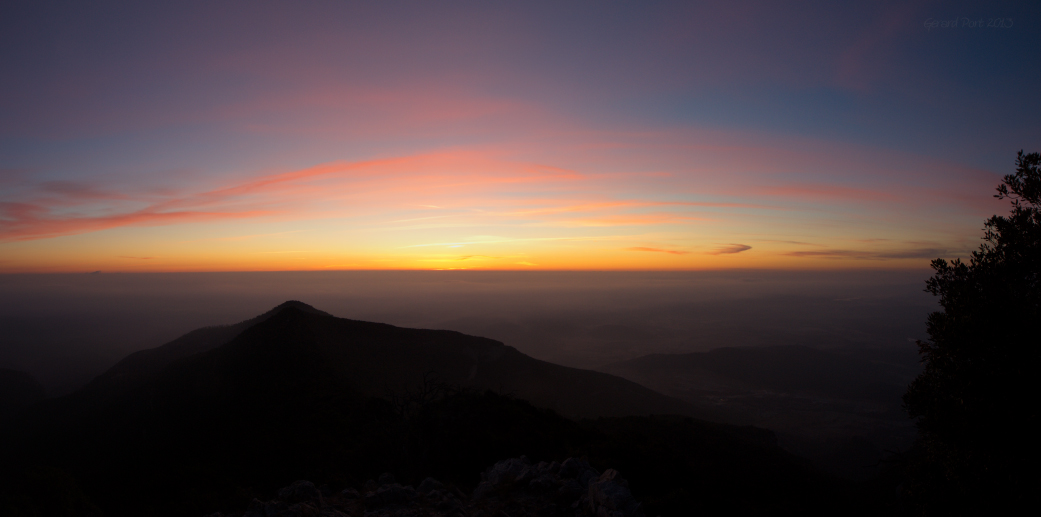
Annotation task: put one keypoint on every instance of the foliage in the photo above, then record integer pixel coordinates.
(975, 401)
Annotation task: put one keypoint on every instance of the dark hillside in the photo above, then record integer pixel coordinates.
(683, 466)
(840, 408)
(18, 390)
(193, 460)
(792, 369)
(380, 359)
(375, 359)
(142, 365)
(303, 395)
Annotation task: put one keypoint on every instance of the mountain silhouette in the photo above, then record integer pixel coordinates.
(226, 414)
(143, 365)
(374, 359)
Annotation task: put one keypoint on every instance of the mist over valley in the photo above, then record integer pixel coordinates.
(65, 329)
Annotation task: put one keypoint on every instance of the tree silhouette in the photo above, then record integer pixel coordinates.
(976, 400)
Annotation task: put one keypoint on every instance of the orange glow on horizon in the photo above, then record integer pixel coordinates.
(472, 208)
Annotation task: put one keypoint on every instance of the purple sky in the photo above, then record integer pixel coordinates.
(507, 135)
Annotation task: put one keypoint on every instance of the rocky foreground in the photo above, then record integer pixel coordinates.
(512, 487)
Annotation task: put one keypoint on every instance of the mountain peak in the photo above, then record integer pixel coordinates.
(295, 303)
(291, 304)
(140, 366)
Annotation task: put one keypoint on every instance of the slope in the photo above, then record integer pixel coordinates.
(142, 365)
(841, 409)
(305, 395)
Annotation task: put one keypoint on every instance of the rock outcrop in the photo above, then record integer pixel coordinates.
(513, 487)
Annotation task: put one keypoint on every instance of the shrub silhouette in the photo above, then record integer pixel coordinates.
(975, 401)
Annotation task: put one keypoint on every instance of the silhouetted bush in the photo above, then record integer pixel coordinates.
(976, 400)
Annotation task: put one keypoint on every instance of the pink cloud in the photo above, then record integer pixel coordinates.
(484, 184)
(454, 178)
(38, 223)
(571, 177)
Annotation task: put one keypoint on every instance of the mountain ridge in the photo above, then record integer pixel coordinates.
(138, 366)
(383, 359)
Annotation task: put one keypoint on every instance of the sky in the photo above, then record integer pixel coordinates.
(507, 135)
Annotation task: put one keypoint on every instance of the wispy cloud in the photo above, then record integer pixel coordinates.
(500, 240)
(64, 208)
(249, 236)
(824, 192)
(658, 250)
(730, 249)
(797, 243)
(913, 253)
(23, 221)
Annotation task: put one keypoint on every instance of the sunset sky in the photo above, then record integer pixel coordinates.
(220, 136)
